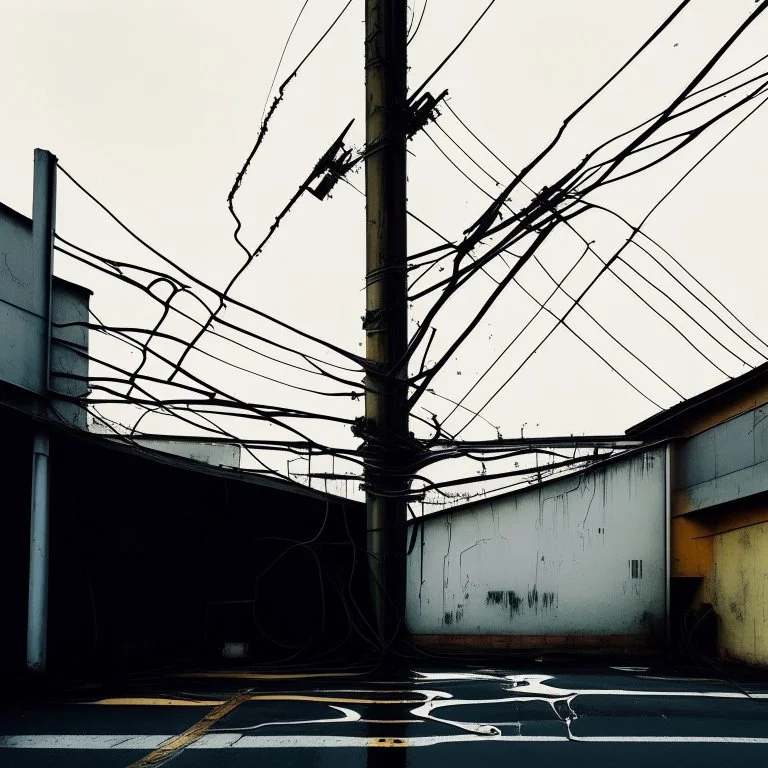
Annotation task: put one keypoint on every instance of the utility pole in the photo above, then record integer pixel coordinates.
(386, 437)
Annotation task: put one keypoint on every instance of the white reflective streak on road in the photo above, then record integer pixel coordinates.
(239, 741)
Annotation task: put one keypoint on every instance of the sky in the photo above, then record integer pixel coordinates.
(153, 106)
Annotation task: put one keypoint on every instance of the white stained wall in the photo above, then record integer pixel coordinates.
(584, 554)
(24, 297)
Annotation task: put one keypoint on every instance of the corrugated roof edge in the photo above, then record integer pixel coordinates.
(653, 423)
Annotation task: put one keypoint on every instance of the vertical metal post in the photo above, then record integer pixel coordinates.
(386, 318)
(37, 614)
(43, 225)
(668, 469)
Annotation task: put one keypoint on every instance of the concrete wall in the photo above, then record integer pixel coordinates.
(24, 292)
(722, 464)
(27, 361)
(69, 349)
(215, 454)
(582, 555)
(741, 593)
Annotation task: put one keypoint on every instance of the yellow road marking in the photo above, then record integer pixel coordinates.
(331, 699)
(139, 701)
(388, 742)
(178, 743)
(267, 676)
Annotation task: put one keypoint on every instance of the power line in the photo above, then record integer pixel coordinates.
(219, 294)
(667, 112)
(704, 304)
(282, 55)
(481, 225)
(127, 331)
(265, 123)
(645, 235)
(543, 307)
(496, 248)
(418, 26)
(435, 232)
(618, 253)
(117, 273)
(458, 45)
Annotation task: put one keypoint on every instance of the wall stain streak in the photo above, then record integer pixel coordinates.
(514, 602)
(507, 599)
(551, 541)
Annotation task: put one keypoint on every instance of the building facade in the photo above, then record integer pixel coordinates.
(719, 513)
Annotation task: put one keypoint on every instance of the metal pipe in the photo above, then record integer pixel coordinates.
(43, 225)
(37, 613)
(668, 534)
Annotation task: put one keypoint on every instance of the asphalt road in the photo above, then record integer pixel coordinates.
(475, 718)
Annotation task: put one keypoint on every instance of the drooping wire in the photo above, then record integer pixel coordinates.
(641, 232)
(410, 36)
(483, 228)
(634, 231)
(282, 56)
(453, 51)
(265, 125)
(219, 294)
(543, 307)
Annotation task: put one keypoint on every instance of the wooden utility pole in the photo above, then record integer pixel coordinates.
(386, 319)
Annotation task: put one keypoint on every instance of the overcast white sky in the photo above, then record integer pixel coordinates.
(154, 105)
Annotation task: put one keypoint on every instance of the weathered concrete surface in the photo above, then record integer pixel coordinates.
(741, 592)
(582, 555)
(722, 464)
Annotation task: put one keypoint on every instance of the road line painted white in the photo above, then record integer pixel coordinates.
(217, 741)
(239, 741)
(297, 742)
(145, 743)
(537, 685)
(347, 716)
(276, 742)
(82, 741)
(674, 739)
(632, 669)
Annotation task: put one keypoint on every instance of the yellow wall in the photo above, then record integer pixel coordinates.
(727, 545)
(692, 554)
(740, 592)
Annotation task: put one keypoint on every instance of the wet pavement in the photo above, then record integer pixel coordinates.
(565, 715)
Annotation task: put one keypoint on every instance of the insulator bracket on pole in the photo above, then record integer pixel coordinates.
(331, 166)
(423, 111)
